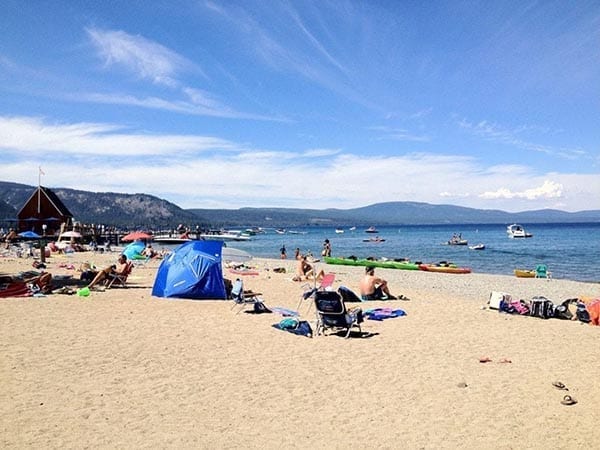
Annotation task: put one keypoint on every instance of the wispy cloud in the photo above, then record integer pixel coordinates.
(398, 134)
(497, 133)
(145, 58)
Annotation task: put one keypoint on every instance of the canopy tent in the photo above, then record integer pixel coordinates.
(135, 235)
(192, 270)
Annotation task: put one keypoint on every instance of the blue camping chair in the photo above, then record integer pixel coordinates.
(332, 313)
(541, 271)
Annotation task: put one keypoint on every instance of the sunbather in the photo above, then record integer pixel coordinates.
(305, 271)
(118, 269)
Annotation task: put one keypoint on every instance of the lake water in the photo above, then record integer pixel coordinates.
(570, 251)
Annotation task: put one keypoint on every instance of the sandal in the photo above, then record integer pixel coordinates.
(568, 400)
(559, 385)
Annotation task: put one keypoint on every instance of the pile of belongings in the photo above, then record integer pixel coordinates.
(583, 309)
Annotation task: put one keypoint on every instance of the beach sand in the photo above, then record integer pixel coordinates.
(122, 369)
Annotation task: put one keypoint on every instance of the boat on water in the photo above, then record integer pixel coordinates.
(170, 240)
(280, 231)
(457, 240)
(225, 236)
(384, 264)
(339, 231)
(517, 231)
(352, 228)
(371, 230)
(477, 247)
(444, 267)
(374, 239)
(524, 273)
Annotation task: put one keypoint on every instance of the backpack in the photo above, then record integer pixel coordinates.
(541, 307)
(582, 313)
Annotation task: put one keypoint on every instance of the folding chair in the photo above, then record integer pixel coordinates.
(242, 297)
(119, 278)
(332, 313)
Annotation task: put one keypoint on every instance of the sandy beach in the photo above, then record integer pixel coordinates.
(122, 369)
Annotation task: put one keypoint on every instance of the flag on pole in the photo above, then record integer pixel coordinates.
(41, 171)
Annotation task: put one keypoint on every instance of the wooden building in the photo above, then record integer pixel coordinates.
(43, 208)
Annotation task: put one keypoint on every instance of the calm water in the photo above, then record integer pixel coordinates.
(571, 251)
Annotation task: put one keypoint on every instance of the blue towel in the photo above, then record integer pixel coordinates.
(383, 313)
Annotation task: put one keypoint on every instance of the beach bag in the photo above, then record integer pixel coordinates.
(518, 307)
(582, 313)
(499, 300)
(541, 307)
(562, 311)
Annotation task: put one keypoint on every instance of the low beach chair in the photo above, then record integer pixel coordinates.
(332, 313)
(119, 278)
(242, 297)
(541, 271)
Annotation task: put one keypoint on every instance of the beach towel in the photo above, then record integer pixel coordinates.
(285, 312)
(383, 313)
(295, 326)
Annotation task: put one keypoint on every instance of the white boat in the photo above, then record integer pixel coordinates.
(477, 247)
(339, 230)
(352, 228)
(224, 236)
(517, 231)
(371, 230)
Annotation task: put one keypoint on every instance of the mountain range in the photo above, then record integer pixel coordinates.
(147, 211)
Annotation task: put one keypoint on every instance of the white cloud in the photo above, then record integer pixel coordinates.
(202, 171)
(548, 189)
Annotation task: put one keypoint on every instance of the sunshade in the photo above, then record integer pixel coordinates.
(135, 235)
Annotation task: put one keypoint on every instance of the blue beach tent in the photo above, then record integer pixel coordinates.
(134, 250)
(193, 270)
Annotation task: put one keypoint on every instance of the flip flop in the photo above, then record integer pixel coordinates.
(568, 400)
(559, 385)
(484, 359)
(505, 361)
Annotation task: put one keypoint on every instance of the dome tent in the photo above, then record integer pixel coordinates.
(193, 270)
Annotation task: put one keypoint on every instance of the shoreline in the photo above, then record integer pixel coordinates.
(121, 368)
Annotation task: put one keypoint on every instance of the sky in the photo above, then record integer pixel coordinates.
(305, 104)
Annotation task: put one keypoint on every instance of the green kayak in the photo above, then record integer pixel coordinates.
(404, 265)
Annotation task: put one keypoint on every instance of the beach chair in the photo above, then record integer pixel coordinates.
(348, 295)
(332, 313)
(119, 278)
(541, 271)
(309, 290)
(242, 297)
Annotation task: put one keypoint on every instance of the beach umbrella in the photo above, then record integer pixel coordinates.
(73, 234)
(136, 235)
(29, 235)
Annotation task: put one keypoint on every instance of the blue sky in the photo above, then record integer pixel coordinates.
(306, 104)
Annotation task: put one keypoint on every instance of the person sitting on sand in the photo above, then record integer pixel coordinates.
(305, 271)
(373, 287)
(118, 269)
(149, 252)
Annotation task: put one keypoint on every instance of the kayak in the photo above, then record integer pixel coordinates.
(403, 265)
(524, 273)
(450, 268)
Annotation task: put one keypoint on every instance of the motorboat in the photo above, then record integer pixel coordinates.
(477, 247)
(457, 240)
(339, 231)
(517, 231)
(371, 230)
(374, 239)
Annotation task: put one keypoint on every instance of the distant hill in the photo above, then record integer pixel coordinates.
(147, 211)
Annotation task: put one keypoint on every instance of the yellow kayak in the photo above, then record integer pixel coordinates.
(524, 273)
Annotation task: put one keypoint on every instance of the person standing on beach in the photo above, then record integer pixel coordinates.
(373, 287)
(326, 248)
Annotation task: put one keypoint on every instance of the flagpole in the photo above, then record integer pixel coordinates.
(39, 189)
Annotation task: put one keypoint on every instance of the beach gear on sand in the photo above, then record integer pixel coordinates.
(295, 326)
(541, 307)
